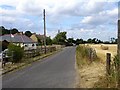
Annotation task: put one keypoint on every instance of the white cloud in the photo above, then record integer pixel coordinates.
(106, 16)
(64, 7)
(93, 12)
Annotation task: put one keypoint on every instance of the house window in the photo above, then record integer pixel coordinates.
(26, 45)
(33, 45)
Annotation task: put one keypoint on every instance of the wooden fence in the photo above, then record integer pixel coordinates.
(38, 51)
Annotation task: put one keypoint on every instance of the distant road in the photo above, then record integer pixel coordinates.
(56, 71)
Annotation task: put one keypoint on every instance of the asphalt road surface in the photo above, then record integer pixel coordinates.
(56, 71)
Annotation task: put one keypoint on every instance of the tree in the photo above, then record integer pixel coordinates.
(113, 40)
(94, 40)
(14, 31)
(89, 40)
(60, 38)
(70, 42)
(48, 41)
(6, 31)
(28, 33)
(79, 41)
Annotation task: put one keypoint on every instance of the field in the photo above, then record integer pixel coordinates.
(101, 53)
(91, 73)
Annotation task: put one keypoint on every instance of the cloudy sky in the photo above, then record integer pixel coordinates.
(80, 18)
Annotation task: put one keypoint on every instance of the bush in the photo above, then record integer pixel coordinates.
(17, 51)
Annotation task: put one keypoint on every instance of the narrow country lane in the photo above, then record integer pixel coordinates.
(56, 71)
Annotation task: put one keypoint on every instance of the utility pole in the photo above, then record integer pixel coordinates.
(118, 51)
(44, 31)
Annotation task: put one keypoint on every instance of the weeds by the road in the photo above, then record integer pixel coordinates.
(109, 81)
(94, 75)
(89, 70)
(84, 55)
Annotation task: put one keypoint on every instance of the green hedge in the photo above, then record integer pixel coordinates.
(16, 51)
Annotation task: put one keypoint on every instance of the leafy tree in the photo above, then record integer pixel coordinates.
(89, 40)
(99, 41)
(48, 41)
(6, 31)
(116, 41)
(71, 40)
(39, 41)
(1, 30)
(79, 41)
(14, 31)
(113, 41)
(28, 33)
(60, 38)
(94, 40)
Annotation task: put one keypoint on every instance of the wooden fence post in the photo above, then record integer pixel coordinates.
(118, 51)
(108, 60)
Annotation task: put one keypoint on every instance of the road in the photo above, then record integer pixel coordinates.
(56, 71)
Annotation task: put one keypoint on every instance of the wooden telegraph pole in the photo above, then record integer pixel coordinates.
(118, 66)
(44, 31)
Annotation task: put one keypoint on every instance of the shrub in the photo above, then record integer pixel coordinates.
(17, 51)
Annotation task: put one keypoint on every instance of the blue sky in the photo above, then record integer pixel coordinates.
(79, 18)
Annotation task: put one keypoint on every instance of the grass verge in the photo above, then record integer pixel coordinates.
(83, 57)
(89, 70)
(109, 81)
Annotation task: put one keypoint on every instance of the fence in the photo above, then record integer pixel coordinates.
(38, 51)
(5, 57)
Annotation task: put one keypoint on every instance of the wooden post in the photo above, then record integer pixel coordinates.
(108, 60)
(118, 51)
(44, 31)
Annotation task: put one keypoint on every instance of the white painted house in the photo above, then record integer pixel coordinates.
(21, 40)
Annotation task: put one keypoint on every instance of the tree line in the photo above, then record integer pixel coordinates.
(61, 38)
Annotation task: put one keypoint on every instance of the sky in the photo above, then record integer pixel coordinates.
(79, 18)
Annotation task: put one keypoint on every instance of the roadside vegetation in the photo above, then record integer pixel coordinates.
(94, 75)
(85, 55)
(88, 66)
(16, 52)
(109, 80)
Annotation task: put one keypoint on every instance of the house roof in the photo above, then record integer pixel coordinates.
(16, 38)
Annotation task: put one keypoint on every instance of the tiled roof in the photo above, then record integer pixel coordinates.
(17, 38)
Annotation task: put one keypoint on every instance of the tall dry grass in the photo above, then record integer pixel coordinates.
(83, 55)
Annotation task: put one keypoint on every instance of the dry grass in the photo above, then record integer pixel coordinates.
(105, 81)
(89, 75)
(89, 72)
(101, 53)
(93, 75)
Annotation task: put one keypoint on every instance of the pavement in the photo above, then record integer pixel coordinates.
(56, 71)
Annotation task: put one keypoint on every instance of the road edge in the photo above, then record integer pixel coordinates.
(29, 63)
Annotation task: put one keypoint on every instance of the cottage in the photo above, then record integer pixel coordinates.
(19, 39)
(37, 37)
